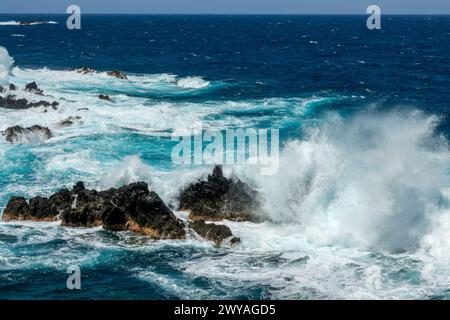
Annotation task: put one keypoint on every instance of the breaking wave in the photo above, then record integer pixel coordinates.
(374, 181)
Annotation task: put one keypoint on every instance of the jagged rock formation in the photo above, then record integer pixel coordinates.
(132, 207)
(219, 198)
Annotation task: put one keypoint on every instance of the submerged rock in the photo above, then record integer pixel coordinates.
(33, 134)
(213, 232)
(114, 73)
(84, 70)
(219, 198)
(69, 121)
(104, 97)
(117, 74)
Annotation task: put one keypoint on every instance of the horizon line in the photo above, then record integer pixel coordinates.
(228, 14)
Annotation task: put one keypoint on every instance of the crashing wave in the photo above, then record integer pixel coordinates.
(6, 63)
(25, 23)
(372, 181)
(192, 83)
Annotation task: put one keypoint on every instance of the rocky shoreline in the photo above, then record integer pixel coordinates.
(135, 208)
(31, 96)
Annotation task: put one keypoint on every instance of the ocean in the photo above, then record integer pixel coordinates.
(360, 205)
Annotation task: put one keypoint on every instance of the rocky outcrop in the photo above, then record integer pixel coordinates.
(132, 207)
(33, 134)
(219, 198)
(213, 232)
(33, 88)
(11, 102)
(117, 74)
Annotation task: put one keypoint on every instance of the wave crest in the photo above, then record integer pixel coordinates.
(373, 181)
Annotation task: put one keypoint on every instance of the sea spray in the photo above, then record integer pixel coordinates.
(6, 63)
(372, 181)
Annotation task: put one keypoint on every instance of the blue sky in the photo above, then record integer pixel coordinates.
(227, 6)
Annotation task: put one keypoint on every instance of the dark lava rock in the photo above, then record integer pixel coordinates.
(117, 74)
(11, 102)
(33, 134)
(84, 70)
(29, 23)
(213, 232)
(219, 198)
(69, 121)
(104, 97)
(12, 87)
(33, 88)
(16, 209)
(42, 209)
(39, 209)
(132, 207)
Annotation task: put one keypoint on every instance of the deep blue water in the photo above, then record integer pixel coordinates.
(284, 72)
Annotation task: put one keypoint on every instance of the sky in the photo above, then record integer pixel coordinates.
(228, 6)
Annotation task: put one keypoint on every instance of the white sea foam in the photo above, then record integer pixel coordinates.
(192, 83)
(6, 63)
(18, 23)
(374, 181)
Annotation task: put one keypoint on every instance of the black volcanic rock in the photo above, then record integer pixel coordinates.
(113, 218)
(114, 73)
(42, 209)
(84, 70)
(18, 134)
(11, 102)
(104, 97)
(132, 207)
(219, 198)
(33, 88)
(39, 209)
(213, 232)
(16, 209)
(117, 74)
(12, 87)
